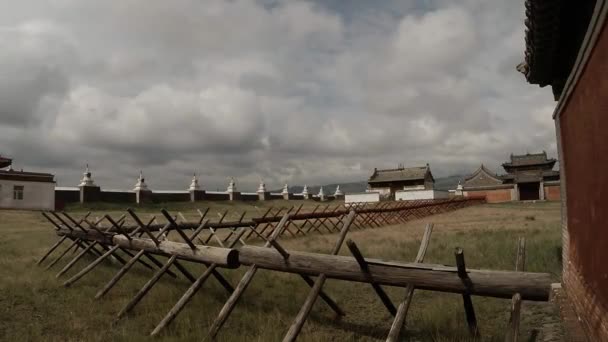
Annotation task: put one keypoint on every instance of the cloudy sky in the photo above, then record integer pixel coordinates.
(288, 91)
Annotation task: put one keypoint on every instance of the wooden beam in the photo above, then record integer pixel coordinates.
(500, 284)
(466, 297)
(354, 250)
(202, 254)
(513, 327)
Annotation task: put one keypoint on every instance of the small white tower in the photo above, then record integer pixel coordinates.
(285, 193)
(321, 194)
(338, 192)
(305, 193)
(141, 183)
(196, 194)
(233, 194)
(194, 184)
(263, 194)
(142, 193)
(458, 191)
(89, 191)
(231, 186)
(86, 178)
(262, 187)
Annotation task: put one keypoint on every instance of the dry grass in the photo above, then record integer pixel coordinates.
(34, 306)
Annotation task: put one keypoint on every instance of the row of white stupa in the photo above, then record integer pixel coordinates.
(141, 185)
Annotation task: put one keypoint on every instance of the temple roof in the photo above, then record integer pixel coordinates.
(555, 30)
(528, 160)
(482, 177)
(27, 176)
(5, 162)
(400, 174)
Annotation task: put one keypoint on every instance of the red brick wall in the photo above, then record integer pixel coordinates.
(552, 193)
(492, 196)
(583, 126)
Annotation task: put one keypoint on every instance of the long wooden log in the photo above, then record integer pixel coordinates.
(500, 284)
(224, 257)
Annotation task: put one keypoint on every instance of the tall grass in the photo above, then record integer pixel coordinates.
(34, 306)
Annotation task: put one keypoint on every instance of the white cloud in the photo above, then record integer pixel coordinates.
(293, 91)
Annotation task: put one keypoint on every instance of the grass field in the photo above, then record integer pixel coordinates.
(35, 307)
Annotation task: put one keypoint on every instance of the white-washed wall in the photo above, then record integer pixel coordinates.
(36, 195)
(420, 195)
(363, 197)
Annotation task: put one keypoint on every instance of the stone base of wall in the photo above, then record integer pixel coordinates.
(591, 314)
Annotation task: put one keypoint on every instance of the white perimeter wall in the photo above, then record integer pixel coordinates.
(362, 197)
(420, 195)
(36, 195)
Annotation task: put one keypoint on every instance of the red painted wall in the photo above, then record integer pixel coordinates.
(492, 196)
(583, 125)
(552, 193)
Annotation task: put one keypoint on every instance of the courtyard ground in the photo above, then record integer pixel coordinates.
(35, 307)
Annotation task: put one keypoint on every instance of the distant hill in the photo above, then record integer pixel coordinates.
(444, 183)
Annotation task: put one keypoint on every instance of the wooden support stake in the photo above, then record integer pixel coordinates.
(242, 286)
(59, 242)
(513, 328)
(126, 267)
(404, 307)
(352, 246)
(179, 231)
(512, 334)
(298, 323)
(144, 290)
(520, 262)
(90, 266)
(466, 298)
(181, 303)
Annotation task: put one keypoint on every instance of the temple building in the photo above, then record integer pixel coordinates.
(25, 190)
(405, 183)
(528, 177)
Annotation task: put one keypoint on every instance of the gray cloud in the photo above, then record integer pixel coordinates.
(288, 91)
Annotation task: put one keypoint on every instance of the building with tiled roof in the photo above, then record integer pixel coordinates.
(389, 181)
(529, 177)
(5, 162)
(25, 190)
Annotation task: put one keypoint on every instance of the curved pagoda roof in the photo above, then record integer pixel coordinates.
(400, 174)
(528, 161)
(5, 162)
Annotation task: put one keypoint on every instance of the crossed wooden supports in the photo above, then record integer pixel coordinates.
(105, 237)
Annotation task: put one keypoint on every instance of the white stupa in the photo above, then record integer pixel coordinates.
(262, 187)
(285, 190)
(321, 194)
(194, 184)
(338, 192)
(231, 186)
(86, 178)
(141, 183)
(305, 190)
